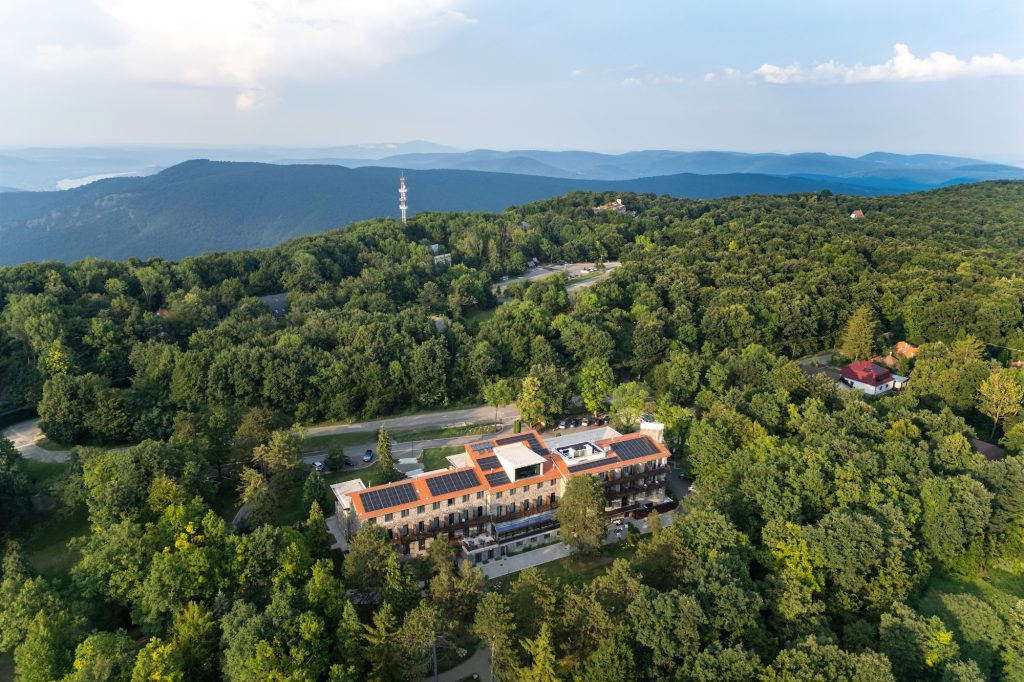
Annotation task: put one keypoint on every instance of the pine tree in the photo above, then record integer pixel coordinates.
(542, 654)
(316, 533)
(386, 460)
(315, 489)
(493, 624)
(859, 339)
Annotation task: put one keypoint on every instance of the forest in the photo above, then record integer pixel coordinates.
(830, 536)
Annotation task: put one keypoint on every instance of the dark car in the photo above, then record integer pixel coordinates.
(368, 456)
(575, 422)
(348, 461)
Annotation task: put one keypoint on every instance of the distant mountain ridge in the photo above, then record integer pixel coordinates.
(923, 170)
(202, 205)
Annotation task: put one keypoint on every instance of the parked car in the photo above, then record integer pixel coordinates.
(368, 456)
(561, 424)
(348, 461)
(575, 422)
(319, 466)
(586, 421)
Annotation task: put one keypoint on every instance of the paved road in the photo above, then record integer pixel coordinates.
(24, 436)
(478, 664)
(570, 269)
(423, 420)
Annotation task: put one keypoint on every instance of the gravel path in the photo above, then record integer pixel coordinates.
(24, 436)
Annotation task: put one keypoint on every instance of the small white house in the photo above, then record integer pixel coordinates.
(870, 378)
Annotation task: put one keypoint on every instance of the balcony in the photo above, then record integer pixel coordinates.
(535, 509)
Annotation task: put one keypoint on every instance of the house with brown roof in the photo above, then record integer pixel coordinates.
(904, 350)
(504, 496)
(857, 214)
(870, 378)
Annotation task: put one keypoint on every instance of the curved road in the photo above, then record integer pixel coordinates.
(24, 436)
(423, 420)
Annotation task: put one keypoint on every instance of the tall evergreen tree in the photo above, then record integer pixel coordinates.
(859, 337)
(385, 460)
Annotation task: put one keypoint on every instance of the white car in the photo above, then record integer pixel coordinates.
(319, 466)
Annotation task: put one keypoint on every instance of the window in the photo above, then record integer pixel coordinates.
(540, 500)
(497, 495)
(539, 485)
(436, 523)
(499, 510)
(419, 527)
(512, 508)
(465, 498)
(480, 495)
(405, 530)
(419, 509)
(551, 482)
(388, 517)
(371, 522)
(526, 505)
(554, 498)
(436, 506)
(405, 513)
(451, 502)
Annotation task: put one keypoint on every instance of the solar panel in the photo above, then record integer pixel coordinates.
(497, 478)
(593, 465)
(482, 447)
(487, 463)
(635, 447)
(531, 441)
(453, 482)
(388, 497)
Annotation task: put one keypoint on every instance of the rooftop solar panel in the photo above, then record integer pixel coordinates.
(593, 465)
(497, 478)
(453, 482)
(374, 500)
(487, 463)
(531, 441)
(635, 447)
(482, 447)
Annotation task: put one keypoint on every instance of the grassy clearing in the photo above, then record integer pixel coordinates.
(317, 443)
(977, 612)
(42, 475)
(51, 446)
(436, 458)
(571, 571)
(478, 317)
(589, 275)
(46, 544)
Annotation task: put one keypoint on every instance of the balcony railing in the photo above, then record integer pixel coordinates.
(535, 509)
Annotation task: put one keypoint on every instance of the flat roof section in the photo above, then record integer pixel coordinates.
(634, 448)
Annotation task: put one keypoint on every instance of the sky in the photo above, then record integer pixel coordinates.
(907, 76)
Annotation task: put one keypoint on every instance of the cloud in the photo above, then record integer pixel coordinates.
(656, 79)
(576, 73)
(247, 46)
(904, 66)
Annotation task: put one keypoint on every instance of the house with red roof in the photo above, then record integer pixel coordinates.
(870, 378)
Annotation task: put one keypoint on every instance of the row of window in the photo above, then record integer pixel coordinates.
(465, 515)
(450, 502)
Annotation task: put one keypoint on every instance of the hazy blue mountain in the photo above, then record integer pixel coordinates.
(42, 168)
(922, 170)
(202, 206)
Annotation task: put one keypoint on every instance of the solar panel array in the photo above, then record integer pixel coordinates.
(497, 478)
(487, 463)
(593, 465)
(389, 497)
(453, 482)
(531, 441)
(634, 448)
(485, 446)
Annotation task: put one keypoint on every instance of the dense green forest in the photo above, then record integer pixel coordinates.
(830, 537)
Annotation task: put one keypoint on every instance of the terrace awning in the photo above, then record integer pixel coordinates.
(525, 522)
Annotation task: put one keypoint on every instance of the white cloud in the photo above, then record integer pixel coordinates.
(248, 46)
(576, 73)
(904, 66)
(632, 82)
(710, 76)
(656, 79)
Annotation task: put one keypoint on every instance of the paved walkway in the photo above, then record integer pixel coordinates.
(24, 436)
(478, 664)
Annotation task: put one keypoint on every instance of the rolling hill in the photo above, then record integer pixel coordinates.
(201, 205)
